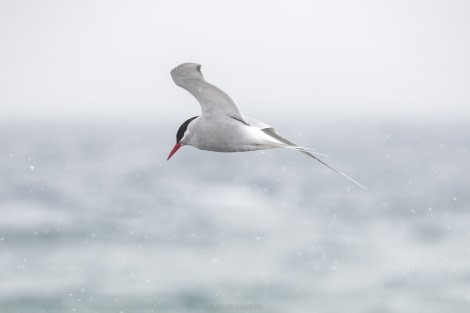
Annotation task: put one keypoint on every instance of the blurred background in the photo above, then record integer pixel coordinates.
(94, 219)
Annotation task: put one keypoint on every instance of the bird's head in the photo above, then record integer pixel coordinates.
(180, 134)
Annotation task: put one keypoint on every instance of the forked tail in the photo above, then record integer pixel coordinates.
(284, 143)
(304, 151)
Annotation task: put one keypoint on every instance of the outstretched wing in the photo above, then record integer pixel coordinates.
(214, 102)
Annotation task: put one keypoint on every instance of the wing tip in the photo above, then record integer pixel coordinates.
(186, 67)
(186, 71)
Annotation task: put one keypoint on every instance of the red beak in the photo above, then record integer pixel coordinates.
(175, 148)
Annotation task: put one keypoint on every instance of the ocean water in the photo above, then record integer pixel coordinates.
(94, 219)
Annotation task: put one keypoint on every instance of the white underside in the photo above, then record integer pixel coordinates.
(227, 135)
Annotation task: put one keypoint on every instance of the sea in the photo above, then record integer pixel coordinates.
(93, 218)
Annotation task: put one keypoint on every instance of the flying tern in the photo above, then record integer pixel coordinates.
(222, 127)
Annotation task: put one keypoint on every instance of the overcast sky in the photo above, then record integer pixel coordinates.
(301, 59)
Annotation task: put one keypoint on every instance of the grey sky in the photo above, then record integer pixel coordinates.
(403, 59)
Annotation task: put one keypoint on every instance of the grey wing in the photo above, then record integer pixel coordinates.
(214, 102)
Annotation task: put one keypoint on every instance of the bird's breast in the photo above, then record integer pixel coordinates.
(228, 135)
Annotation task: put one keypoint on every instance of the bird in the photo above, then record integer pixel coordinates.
(222, 127)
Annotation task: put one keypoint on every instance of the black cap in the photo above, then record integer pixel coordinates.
(183, 128)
